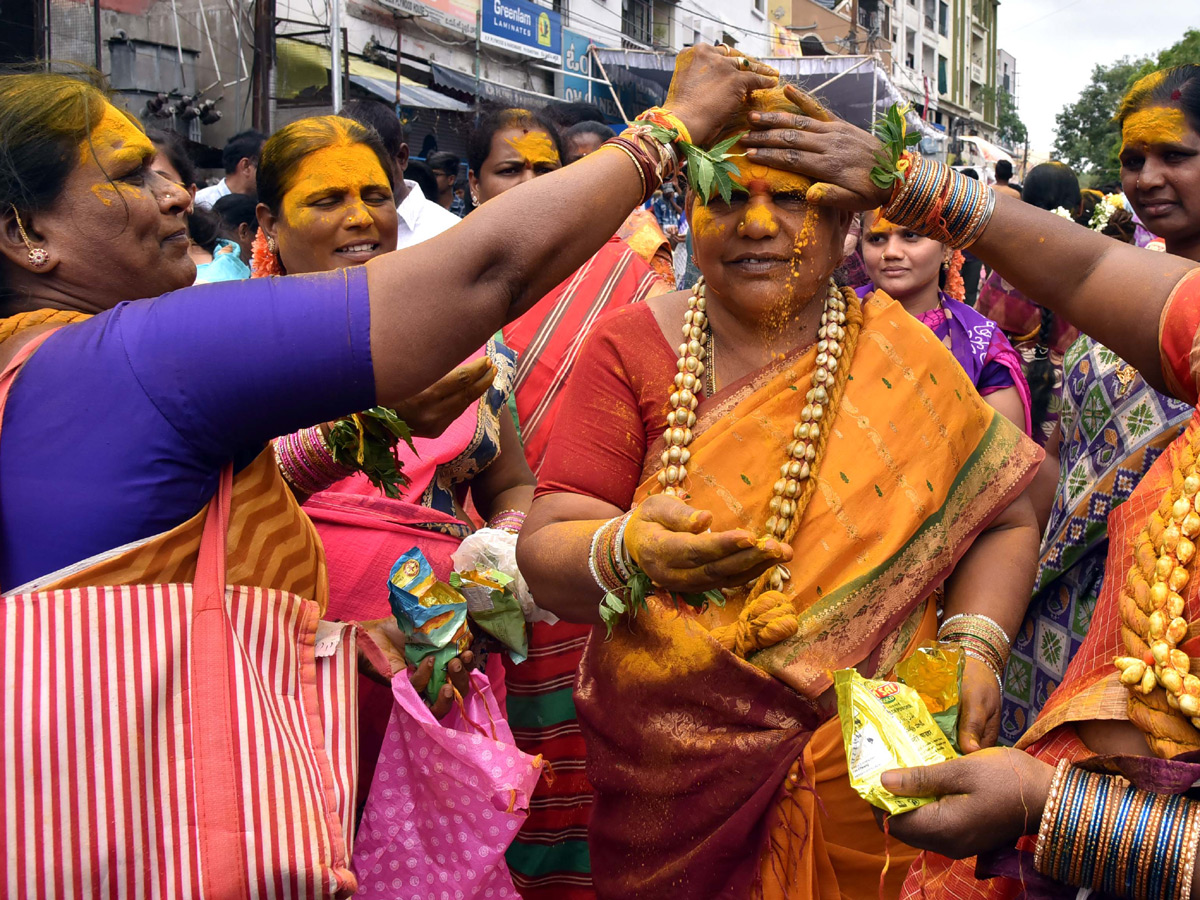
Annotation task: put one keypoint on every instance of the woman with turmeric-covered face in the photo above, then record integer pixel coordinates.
(326, 203)
(824, 462)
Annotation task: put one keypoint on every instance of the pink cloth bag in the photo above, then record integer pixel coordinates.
(448, 798)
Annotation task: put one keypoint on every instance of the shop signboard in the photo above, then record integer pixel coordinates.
(522, 27)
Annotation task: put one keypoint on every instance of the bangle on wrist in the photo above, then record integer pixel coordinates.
(1099, 832)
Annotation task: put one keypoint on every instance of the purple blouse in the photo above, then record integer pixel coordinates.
(978, 344)
(117, 428)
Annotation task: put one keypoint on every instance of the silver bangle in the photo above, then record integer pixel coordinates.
(592, 561)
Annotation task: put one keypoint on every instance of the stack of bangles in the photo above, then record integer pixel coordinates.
(654, 160)
(609, 561)
(981, 638)
(509, 520)
(938, 202)
(306, 461)
(1100, 832)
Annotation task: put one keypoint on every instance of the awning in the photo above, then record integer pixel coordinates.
(488, 90)
(411, 93)
(304, 67)
(845, 84)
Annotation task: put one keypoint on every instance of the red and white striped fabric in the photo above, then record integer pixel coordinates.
(177, 740)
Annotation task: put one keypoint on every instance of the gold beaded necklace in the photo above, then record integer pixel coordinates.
(696, 359)
(1153, 595)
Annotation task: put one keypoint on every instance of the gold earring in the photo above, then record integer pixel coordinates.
(38, 256)
(945, 265)
(271, 245)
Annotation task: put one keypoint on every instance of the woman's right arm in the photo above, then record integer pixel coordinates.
(447, 295)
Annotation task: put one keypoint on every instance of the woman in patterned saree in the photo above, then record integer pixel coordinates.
(1102, 784)
(713, 744)
(127, 418)
(1113, 428)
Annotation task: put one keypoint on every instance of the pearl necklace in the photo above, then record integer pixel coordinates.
(802, 450)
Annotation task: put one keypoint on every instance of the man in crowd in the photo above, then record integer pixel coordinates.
(240, 159)
(1004, 173)
(444, 166)
(420, 218)
(585, 138)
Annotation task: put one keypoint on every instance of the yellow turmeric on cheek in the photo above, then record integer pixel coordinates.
(703, 222)
(1154, 125)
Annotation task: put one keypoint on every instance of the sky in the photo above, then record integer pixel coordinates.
(1058, 42)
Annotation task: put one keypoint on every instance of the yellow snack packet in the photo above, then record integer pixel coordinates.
(885, 725)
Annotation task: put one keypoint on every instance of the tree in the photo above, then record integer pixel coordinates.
(1008, 121)
(1087, 137)
(1185, 52)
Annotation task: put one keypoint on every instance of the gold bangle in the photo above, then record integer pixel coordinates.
(637, 167)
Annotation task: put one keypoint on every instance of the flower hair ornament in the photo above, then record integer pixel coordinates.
(264, 257)
(955, 286)
(38, 256)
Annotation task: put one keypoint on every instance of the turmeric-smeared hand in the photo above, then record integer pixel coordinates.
(671, 543)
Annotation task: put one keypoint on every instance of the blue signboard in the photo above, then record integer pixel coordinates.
(522, 27)
(577, 67)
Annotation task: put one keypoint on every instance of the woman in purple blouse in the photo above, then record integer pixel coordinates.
(119, 425)
(912, 269)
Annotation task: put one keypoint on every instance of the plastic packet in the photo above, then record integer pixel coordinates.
(432, 615)
(885, 725)
(493, 548)
(492, 606)
(935, 672)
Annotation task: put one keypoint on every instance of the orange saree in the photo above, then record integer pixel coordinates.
(724, 777)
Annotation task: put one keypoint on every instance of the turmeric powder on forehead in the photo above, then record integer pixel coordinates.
(535, 147)
(1154, 125)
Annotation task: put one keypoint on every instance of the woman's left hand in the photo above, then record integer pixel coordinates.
(979, 707)
(836, 155)
(986, 801)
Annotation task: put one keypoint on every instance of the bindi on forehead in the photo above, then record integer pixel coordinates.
(1154, 125)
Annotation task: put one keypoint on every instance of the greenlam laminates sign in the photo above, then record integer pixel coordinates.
(522, 27)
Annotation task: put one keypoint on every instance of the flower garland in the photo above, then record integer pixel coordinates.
(264, 261)
(1104, 210)
(955, 286)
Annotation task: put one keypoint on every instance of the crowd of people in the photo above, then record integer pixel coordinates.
(907, 405)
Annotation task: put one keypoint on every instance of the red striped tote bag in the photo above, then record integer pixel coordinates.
(175, 740)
